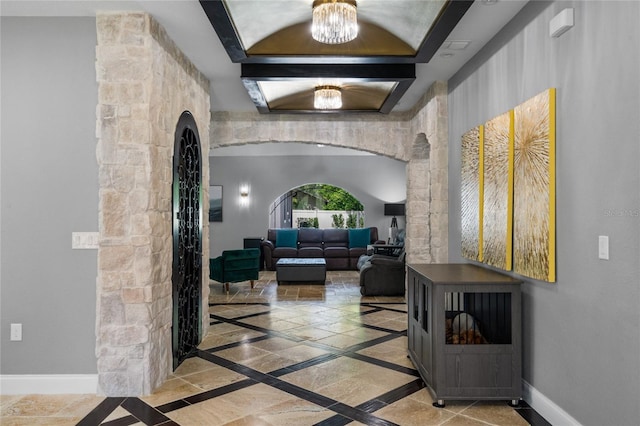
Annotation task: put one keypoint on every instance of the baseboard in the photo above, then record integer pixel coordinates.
(546, 408)
(22, 384)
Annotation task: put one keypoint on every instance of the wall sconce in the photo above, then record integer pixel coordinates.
(244, 195)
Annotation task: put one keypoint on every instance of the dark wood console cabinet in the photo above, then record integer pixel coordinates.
(464, 331)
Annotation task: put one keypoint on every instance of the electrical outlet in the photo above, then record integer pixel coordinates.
(16, 332)
(84, 240)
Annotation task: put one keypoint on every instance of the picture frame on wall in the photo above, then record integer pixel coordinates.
(215, 203)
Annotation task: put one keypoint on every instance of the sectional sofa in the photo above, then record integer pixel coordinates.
(340, 248)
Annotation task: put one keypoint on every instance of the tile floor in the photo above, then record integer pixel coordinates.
(283, 355)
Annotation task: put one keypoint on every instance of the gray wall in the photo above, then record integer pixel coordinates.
(374, 180)
(581, 334)
(49, 179)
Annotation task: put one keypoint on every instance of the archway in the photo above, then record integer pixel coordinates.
(187, 240)
(317, 205)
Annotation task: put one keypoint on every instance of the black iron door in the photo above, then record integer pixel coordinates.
(187, 239)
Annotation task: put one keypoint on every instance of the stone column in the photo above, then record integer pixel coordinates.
(427, 180)
(144, 84)
(418, 239)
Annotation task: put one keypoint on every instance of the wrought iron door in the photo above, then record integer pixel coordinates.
(187, 239)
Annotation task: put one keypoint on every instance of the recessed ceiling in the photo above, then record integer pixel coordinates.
(392, 36)
(187, 24)
(282, 27)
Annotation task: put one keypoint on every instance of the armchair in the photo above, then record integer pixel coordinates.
(233, 266)
(383, 276)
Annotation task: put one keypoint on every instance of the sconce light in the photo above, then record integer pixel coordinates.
(244, 195)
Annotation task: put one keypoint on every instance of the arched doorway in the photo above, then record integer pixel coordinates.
(187, 239)
(316, 205)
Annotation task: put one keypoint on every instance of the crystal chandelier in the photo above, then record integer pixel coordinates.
(327, 97)
(334, 21)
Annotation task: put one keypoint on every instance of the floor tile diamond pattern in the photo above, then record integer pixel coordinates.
(283, 355)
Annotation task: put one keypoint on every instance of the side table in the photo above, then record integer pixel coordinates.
(255, 242)
(387, 249)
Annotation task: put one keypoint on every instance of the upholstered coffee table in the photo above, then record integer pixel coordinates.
(293, 270)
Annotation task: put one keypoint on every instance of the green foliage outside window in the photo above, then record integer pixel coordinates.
(325, 197)
(352, 220)
(338, 220)
(308, 222)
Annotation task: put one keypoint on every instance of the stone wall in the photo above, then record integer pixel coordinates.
(388, 135)
(418, 137)
(144, 85)
(427, 179)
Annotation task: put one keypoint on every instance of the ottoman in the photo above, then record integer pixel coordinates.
(301, 270)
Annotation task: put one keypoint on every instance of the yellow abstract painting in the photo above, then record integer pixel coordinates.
(534, 188)
(471, 200)
(498, 191)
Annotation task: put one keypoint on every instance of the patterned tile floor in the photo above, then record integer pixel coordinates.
(283, 355)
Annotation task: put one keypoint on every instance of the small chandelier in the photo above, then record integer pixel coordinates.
(327, 97)
(334, 21)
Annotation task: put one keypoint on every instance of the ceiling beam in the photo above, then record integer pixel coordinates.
(401, 74)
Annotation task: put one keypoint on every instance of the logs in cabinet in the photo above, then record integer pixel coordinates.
(464, 331)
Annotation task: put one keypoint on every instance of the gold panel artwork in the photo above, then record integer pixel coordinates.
(508, 197)
(496, 218)
(471, 194)
(534, 188)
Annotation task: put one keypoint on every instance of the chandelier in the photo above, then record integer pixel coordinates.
(327, 97)
(334, 21)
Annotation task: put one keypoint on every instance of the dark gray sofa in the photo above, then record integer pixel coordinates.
(333, 245)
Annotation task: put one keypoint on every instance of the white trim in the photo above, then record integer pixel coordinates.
(22, 384)
(546, 408)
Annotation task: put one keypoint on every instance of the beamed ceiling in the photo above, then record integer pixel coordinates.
(282, 64)
(224, 61)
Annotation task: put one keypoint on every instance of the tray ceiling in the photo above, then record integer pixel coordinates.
(393, 36)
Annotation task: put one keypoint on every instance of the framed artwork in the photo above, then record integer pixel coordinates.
(215, 203)
(497, 203)
(534, 188)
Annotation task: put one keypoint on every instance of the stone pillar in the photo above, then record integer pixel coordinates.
(418, 239)
(427, 180)
(144, 84)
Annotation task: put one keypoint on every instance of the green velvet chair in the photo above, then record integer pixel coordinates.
(235, 266)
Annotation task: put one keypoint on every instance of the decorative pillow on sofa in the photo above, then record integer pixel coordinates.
(359, 237)
(287, 238)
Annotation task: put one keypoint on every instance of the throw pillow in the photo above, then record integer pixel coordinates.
(287, 238)
(359, 237)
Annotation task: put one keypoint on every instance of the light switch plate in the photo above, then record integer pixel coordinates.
(603, 247)
(16, 332)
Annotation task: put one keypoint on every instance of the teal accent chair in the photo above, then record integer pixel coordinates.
(235, 266)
